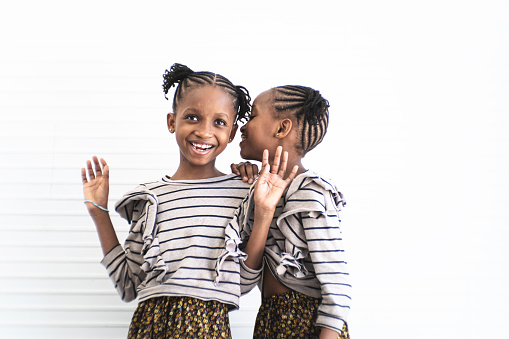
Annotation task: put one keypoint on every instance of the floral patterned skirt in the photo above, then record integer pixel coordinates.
(180, 317)
(289, 315)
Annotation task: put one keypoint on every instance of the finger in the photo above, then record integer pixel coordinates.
(252, 173)
(248, 167)
(84, 175)
(242, 170)
(265, 163)
(97, 166)
(235, 169)
(284, 163)
(249, 172)
(265, 158)
(292, 175)
(106, 169)
(91, 174)
(277, 159)
(265, 170)
(256, 171)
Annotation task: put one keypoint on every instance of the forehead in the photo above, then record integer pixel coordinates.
(207, 99)
(264, 101)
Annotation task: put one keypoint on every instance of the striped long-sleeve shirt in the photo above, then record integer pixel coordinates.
(177, 232)
(304, 248)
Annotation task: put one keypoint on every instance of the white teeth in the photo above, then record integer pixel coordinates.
(202, 147)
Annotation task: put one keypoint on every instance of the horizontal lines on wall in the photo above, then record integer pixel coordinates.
(53, 285)
(50, 273)
(57, 112)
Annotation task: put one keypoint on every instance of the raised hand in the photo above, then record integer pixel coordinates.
(268, 190)
(96, 183)
(271, 183)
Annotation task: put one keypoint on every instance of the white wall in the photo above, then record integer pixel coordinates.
(418, 144)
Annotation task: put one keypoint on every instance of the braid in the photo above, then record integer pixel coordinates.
(244, 102)
(184, 78)
(310, 109)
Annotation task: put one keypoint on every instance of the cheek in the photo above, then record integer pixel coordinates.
(251, 130)
(225, 135)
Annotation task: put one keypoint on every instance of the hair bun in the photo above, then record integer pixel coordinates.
(175, 75)
(316, 107)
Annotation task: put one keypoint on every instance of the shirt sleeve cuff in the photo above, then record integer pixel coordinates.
(250, 272)
(249, 277)
(111, 256)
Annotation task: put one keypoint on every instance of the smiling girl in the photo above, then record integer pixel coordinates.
(178, 222)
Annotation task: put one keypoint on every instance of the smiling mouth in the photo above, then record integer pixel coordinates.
(201, 147)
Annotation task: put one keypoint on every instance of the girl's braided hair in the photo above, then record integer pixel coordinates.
(184, 78)
(310, 109)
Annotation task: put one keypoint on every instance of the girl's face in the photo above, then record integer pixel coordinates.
(259, 133)
(203, 124)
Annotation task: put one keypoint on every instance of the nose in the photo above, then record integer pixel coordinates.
(242, 129)
(203, 131)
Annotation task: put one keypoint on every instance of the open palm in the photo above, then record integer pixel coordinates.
(271, 183)
(96, 182)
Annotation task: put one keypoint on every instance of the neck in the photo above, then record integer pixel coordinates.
(186, 175)
(196, 172)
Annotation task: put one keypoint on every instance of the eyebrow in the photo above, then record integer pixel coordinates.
(223, 114)
(191, 109)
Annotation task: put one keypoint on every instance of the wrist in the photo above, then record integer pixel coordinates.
(94, 207)
(98, 216)
(263, 212)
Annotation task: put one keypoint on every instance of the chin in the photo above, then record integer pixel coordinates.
(244, 154)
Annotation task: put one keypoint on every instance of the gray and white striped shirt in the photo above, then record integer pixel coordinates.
(177, 232)
(304, 248)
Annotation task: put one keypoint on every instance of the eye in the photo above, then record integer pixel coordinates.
(220, 122)
(248, 119)
(191, 117)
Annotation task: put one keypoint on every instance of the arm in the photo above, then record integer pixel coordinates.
(96, 189)
(237, 234)
(327, 333)
(325, 245)
(125, 273)
(268, 191)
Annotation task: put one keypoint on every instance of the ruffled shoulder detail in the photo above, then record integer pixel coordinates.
(128, 205)
(139, 207)
(308, 195)
(309, 192)
(237, 232)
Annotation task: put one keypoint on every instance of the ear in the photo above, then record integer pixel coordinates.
(171, 122)
(284, 127)
(233, 132)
